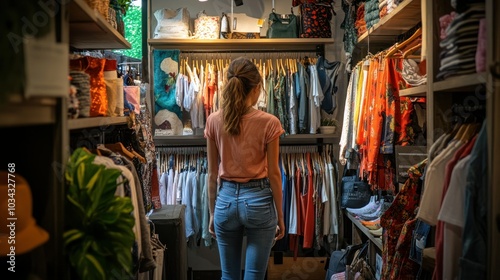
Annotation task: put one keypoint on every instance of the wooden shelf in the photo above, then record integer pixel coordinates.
(414, 91)
(183, 140)
(461, 83)
(96, 122)
(400, 20)
(263, 44)
(34, 111)
(365, 230)
(90, 30)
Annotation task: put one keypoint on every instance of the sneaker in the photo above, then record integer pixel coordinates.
(368, 208)
(376, 232)
(377, 214)
(374, 225)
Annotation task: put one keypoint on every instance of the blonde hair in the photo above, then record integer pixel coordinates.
(242, 77)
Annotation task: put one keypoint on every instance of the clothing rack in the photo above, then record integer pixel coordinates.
(182, 150)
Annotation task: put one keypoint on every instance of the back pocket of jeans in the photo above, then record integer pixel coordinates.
(221, 211)
(260, 214)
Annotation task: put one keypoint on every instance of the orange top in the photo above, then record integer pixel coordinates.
(243, 157)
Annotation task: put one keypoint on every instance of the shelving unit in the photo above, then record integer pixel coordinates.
(359, 228)
(221, 46)
(414, 91)
(401, 19)
(463, 83)
(35, 111)
(90, 30)
(199, 140)
(476, 89)
(261, 45)
(384, 34)
(96, 122)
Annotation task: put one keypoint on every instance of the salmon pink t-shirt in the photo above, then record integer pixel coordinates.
(243, 157)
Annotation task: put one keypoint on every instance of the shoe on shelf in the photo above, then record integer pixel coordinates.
(375, 224)
(377, 213)
(368, 208)
(376, 232)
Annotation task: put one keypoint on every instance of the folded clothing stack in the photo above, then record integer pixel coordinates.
(459, 47)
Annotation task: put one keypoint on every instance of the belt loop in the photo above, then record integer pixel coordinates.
(261, 184)
(237, 189)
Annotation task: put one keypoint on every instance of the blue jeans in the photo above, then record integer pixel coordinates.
(245, 209)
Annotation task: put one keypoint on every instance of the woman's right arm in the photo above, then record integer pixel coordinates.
(213, 172)
(274, 175)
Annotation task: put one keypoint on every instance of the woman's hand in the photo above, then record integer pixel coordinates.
(280, 230)
(211, 227)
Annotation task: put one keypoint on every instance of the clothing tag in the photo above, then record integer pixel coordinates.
(46, 68)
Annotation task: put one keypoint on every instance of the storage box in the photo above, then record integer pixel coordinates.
(406, 157)
(300, 268)
(170, 227)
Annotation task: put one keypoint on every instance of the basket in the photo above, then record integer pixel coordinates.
(112, 18)
(101, 6)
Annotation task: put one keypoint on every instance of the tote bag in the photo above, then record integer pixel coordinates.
(282, 26)
(172, 23)
(355, 193)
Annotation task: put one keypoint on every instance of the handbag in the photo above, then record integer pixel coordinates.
(296, 3)
(359, 268)
(172, 23)
(340, 258)
(315, 20)
(282, 25)
(355, 193)
(206, 27)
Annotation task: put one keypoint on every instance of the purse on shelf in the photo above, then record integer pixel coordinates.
(206, 27)
(282, 25)
(315, 20)
(340, 259)
(355, 193)
(173, 24)
(359, 268)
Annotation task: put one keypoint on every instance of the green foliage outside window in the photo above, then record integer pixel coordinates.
(133, 32)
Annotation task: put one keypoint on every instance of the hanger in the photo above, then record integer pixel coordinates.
(398, 46)
(119, 148)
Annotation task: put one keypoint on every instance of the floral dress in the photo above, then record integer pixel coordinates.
(397, 222)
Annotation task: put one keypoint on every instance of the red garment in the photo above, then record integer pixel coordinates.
(439, 233)
(393, 220)
(403, 267)
(155, 189)
(375, 118)
(310, 220)
(364, 123)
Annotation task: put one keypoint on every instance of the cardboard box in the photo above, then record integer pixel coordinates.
(312, 268)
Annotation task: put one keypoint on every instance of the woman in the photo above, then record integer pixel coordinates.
(243, 154)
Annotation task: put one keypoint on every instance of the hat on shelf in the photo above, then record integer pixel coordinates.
(20, 233)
